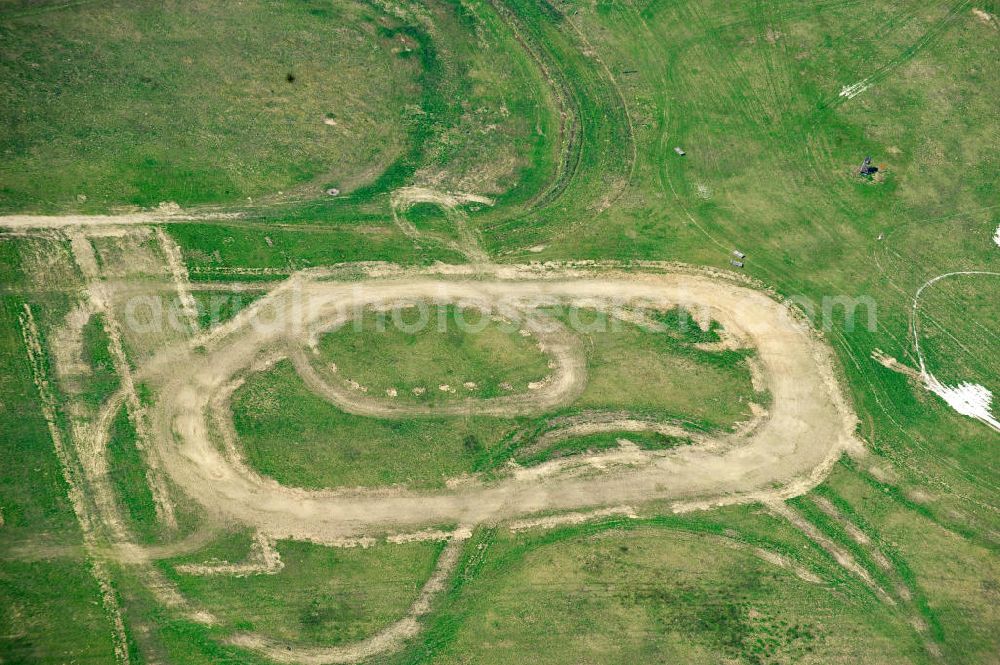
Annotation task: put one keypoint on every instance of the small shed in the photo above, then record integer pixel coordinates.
(679, 151)
(738, 264)
(738, 254)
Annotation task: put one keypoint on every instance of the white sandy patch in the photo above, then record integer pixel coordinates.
(985, 17)
(364, 542)
(538, 385)
(627, 446)
(883, 474)
(408, 196)
(431, 535)
(855, 89)
(969, 399)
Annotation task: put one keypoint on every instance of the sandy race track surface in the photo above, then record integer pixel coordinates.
(784, 454)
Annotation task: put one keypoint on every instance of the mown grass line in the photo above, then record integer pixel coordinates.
(481, 557)
(128, 475)
(899, 564)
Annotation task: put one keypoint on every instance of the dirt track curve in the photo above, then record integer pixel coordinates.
(809, 424)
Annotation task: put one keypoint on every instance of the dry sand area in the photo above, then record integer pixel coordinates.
(785, 453)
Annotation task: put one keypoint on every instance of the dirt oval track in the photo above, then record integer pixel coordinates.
(784, 454)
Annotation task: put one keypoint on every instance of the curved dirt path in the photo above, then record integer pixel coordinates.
(808, 427)
(390, 638)
(564, 384)
(967, 398)
(602, 423)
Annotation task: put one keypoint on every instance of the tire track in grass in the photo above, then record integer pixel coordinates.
(852, 90)
(843, 557)
(620, 102)
(113, 540)
(178, 270)
(389, 639)
(89, 526)
(589, 90)
(101, 301)
(903, 591)
(569, 106)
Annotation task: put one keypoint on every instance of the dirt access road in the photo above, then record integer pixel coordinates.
(787, 453)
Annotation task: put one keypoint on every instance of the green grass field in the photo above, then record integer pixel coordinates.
(103, 380)
(458, 347)
(51, 605)
(645, 594)
(662, 373)
(123, 104)
(299, 439)
(566, 115)
(304, 602)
